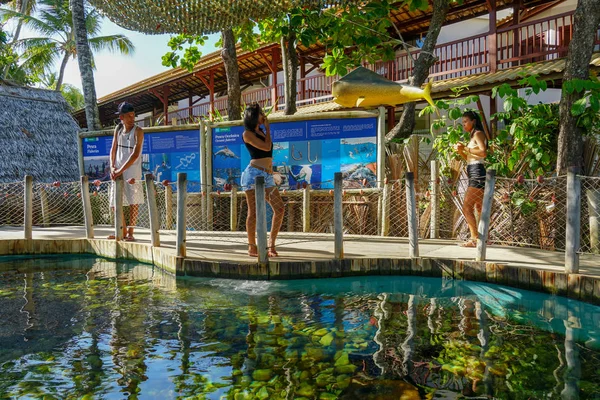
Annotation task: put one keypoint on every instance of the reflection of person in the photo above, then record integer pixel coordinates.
(260, 147)
(126, 161)
(160, 170)
(474, 152)
(305, 174)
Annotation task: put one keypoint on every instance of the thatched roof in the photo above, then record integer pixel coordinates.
(38, 136)
(198, 16)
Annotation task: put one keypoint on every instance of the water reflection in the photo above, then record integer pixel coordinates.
(104, 329)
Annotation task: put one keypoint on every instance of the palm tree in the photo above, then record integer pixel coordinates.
(86, 65)
(55, 23)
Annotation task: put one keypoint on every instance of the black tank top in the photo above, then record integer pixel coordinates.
(256, 153)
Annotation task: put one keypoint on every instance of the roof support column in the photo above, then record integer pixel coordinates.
(391, 118)
(272, 64)
(492, 37)
(302, 78)
(164, 99)
(209, 82)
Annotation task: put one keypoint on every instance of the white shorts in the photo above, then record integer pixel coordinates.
(132, 194)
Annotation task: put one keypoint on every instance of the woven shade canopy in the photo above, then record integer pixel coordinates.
(197, 16)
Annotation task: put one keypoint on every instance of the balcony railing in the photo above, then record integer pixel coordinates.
(533, 41)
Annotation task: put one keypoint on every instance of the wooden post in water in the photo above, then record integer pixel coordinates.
(434, 195)
(573, 221)
(338, 217)
(411, 210)
(168, 207)
(87, 207)
(152, 210)
(486, 214)
(44, 204)
(28, 207)
(306, 209)
(181, 213)
(261, 220)
(385, 212)
(233, 209)
(118, 202)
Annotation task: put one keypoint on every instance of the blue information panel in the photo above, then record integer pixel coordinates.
(164, 154)
(307, 151)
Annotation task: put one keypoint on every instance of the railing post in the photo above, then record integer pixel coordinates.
(486, 214)
(385, 213)
(87, 207)
(118, 202)
(261, 220)
(168, 207)
(573, 222)
(434, 201)
(233, 208)
(28, 207)
(44, 204)
(152, 210)
(338, 217)
(181, 213)
(411, 210)
(306, 209)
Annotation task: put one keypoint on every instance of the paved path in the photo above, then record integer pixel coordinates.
(231, 246)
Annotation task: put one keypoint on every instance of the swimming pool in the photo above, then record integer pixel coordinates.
(91, 328)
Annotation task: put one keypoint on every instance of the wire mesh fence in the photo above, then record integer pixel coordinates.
(525, 212)
(12, 211)
(57, 204)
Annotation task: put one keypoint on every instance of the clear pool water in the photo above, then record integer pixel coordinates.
(90, 328)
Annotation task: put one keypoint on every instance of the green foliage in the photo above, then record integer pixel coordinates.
(586, 109)
(185, 51)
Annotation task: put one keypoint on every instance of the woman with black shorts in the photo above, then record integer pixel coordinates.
(474, 152)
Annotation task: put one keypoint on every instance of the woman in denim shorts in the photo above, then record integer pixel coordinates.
(260, 147)
(474, 153)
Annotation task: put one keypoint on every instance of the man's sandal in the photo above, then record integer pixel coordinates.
(469, 243)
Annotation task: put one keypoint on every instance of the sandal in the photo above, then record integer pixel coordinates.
(469, 243)
(252, 253)
(271, 252)
(129, 239)
(111, 237)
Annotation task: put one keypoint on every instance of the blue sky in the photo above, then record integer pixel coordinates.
(114, 72)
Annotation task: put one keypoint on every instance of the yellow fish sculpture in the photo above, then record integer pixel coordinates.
(365, 88)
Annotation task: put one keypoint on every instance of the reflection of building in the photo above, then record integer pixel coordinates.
(522, 32)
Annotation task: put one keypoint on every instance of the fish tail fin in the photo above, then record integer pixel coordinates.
(427, 93)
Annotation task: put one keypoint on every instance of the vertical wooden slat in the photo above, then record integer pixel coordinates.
(261, 220)
(87, 207)
(486, 213)
(152, 210)
(573, 222)
(181, 213)
(338, 219)
(118, 203)
(411, 210)
(28, 207)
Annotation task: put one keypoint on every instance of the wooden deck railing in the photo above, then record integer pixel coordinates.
(532, 41)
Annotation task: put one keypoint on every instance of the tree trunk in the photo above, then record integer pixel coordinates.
(233, 77)
(426, 59)
(84, 58)
(585, 26)
(61, 74)
(290, 71)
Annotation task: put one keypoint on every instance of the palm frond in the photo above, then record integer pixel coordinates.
(38, 25)
(114, 43)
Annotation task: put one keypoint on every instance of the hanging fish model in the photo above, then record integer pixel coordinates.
(365, 88)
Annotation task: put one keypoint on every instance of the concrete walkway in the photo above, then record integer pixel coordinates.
(232, 247)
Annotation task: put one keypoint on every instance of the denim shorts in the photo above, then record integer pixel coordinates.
(249, 178)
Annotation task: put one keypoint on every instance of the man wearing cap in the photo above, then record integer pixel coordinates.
(126, 161)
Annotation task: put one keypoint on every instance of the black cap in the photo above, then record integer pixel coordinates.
(125, 108)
